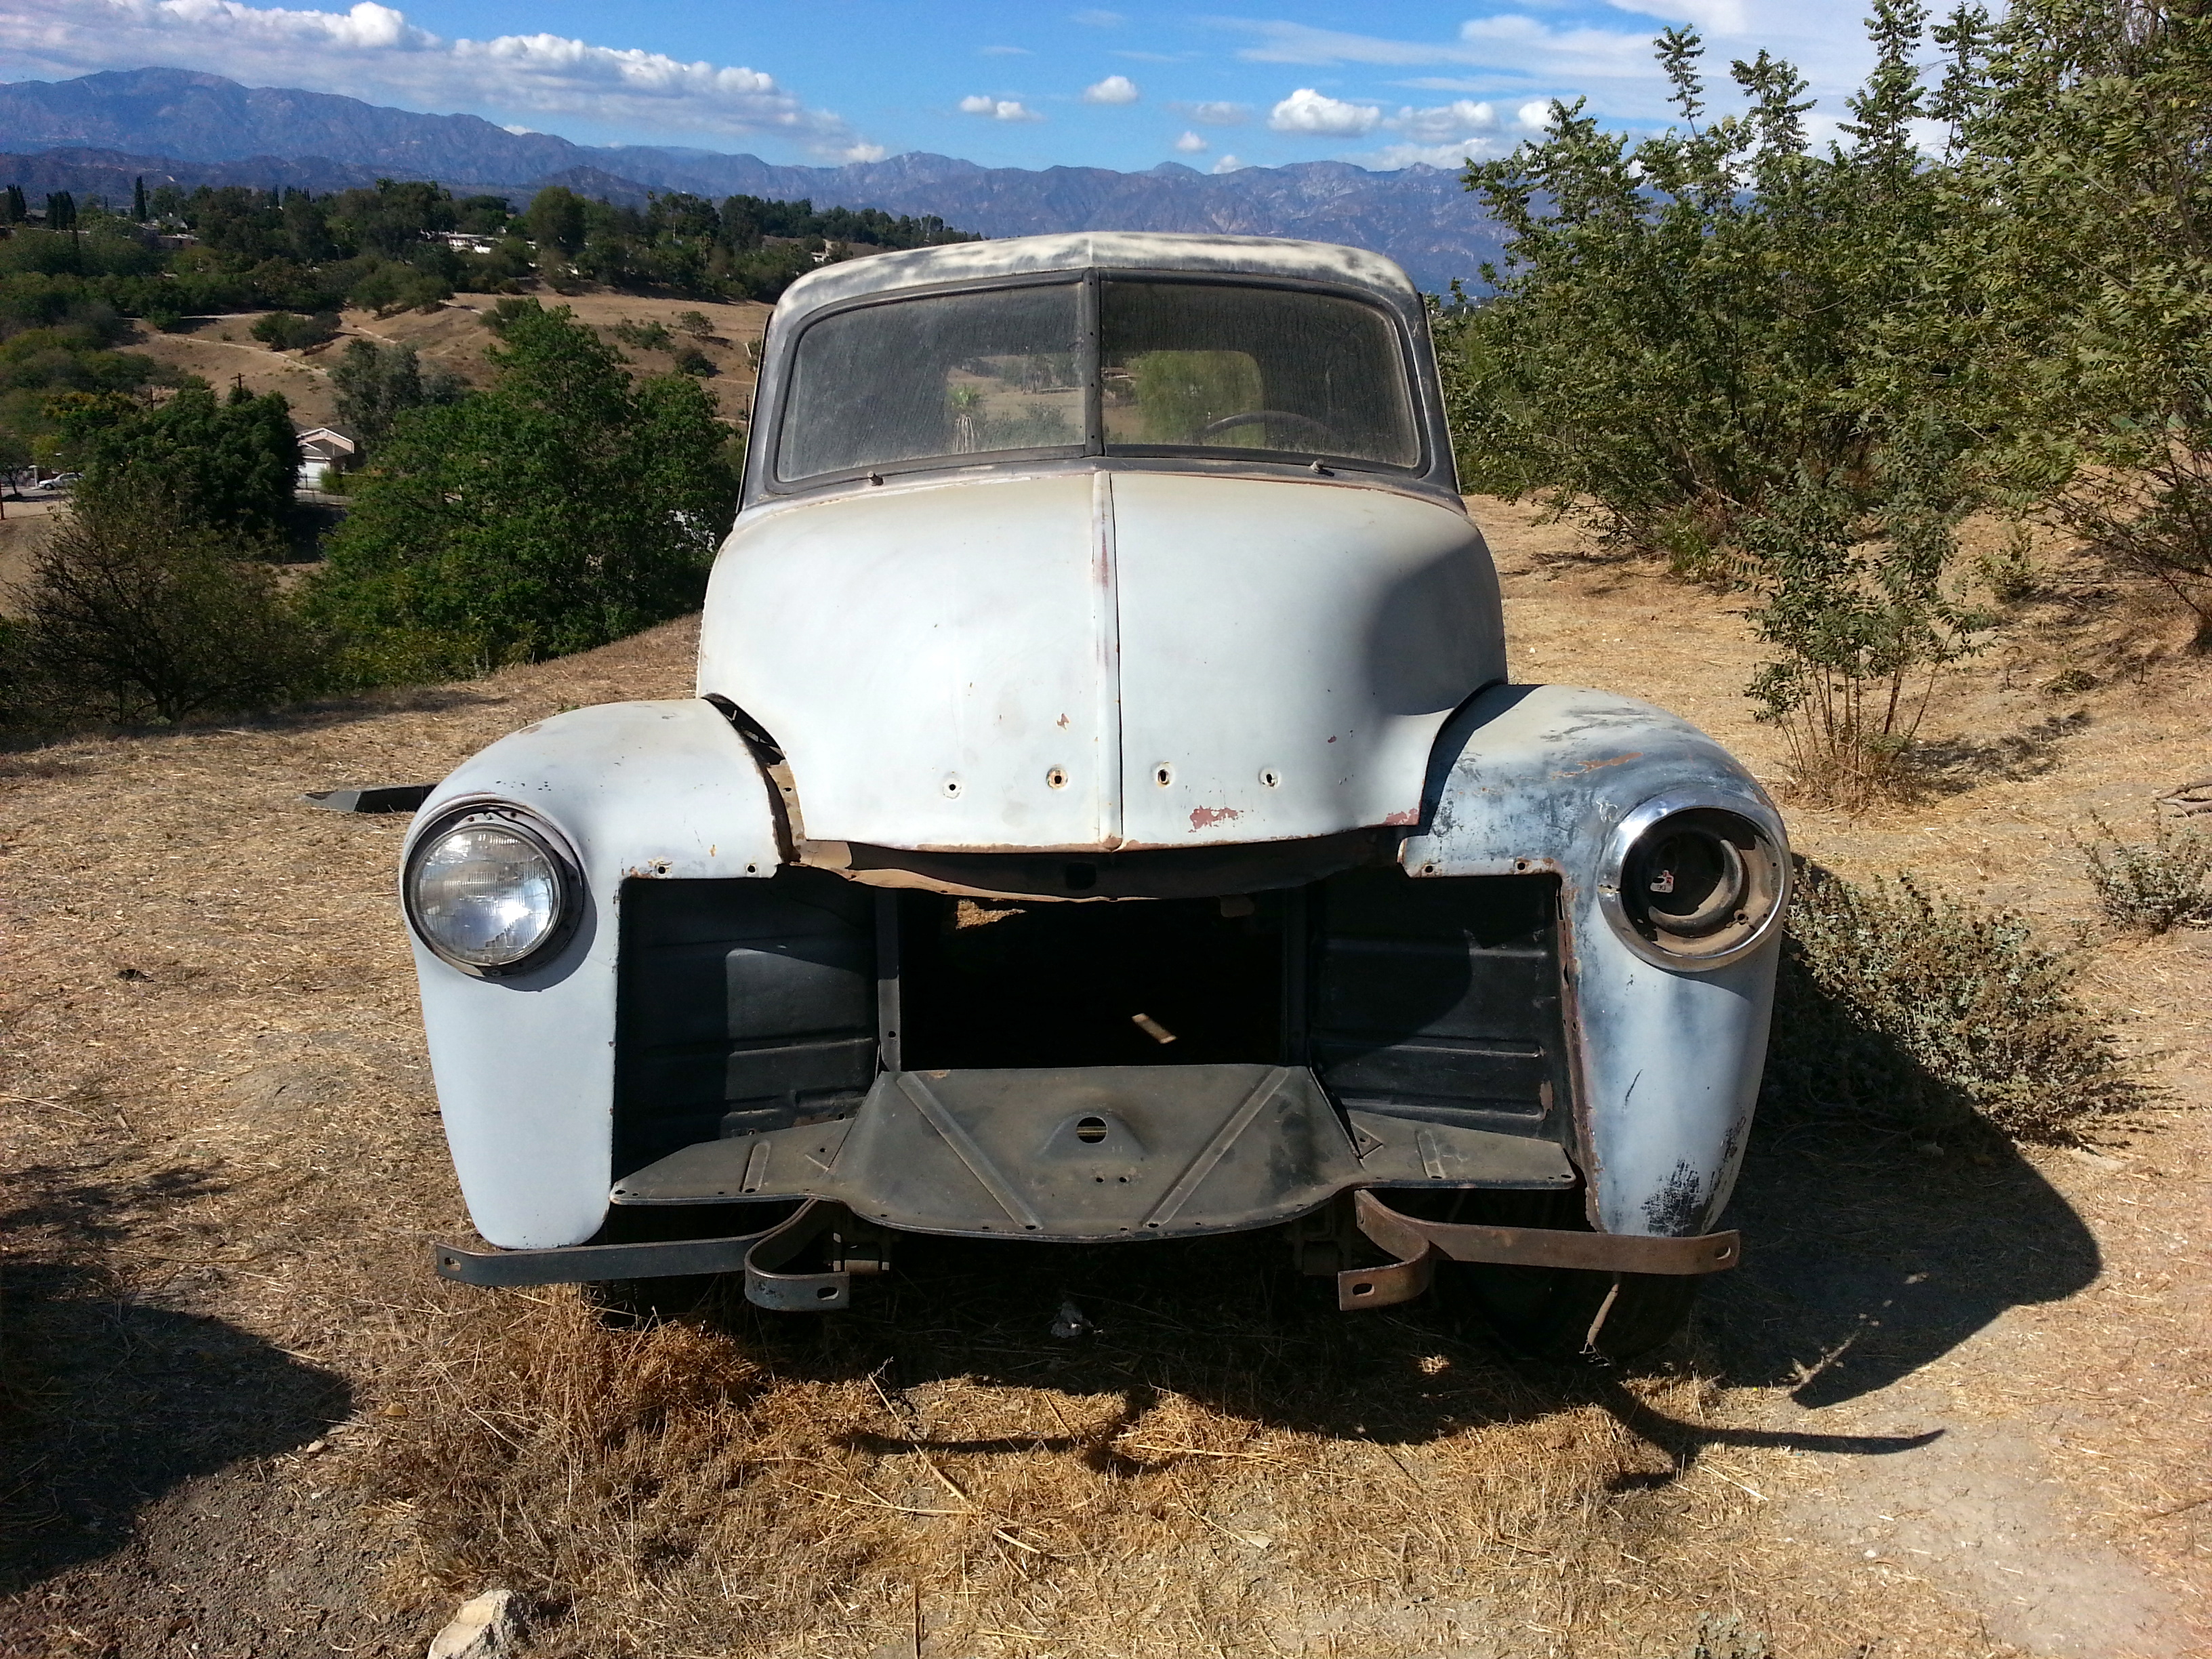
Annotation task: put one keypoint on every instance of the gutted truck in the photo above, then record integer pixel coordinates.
(1105, 816)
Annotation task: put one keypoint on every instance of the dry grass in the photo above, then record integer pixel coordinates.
(1207, 1472)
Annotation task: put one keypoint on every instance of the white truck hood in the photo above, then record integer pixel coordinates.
(1100, 660)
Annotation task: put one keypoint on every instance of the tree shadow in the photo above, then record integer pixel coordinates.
(109, 1402)
(1953, 765)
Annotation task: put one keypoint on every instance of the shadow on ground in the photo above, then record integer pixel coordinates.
(1871, 1251)
(1866, 1258)
(109, 1403)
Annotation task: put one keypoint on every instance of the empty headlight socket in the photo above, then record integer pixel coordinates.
(1695, 881)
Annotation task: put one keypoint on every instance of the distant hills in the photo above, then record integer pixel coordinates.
(96, 133)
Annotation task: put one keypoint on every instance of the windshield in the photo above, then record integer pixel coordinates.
(946, 375)
(1178, 368)
(1208, 365)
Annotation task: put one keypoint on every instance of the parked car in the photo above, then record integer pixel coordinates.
(1106, 815)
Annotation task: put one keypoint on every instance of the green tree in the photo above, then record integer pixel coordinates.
(561, 508)
(555, 220)
(377, 384)
(138, 200)
(1732, 348)
(2083, 213)
(229, 464)
(61, 210)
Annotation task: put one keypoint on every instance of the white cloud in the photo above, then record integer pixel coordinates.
(1007, 52)
(1190, 143)
(1113, 89)
(1710, 16)
(1097, 19)
(1216, 114)
(1309, 112)
(1445, 122)
(1229, 164)
(372, 50)
(999, 109)
(1450, 157)
(1535, 115)
(1514, 54)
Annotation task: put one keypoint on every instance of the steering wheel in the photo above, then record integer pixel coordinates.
(1327, 434)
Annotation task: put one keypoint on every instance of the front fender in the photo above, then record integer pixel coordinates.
(1667, 1062)
(525, 1065)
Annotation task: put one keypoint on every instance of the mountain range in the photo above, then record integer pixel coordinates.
(98, 132)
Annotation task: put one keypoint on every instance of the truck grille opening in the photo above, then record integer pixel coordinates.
(746, 1005)
(1130, 983)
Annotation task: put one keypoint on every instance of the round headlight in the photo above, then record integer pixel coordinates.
(488, 890)
(1688, 883)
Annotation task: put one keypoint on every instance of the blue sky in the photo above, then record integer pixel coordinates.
(1001, 84)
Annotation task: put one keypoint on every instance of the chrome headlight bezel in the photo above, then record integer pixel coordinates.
(1760, 844)
(524, 825)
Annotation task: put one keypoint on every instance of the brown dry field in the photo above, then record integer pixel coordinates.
(1955, 1403)
(222, 351)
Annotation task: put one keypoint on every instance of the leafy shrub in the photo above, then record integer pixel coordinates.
(138, 610)
(689, 360)
(285, 330)
(645, 336)
(1925, 1010)
(1854, 602)
(697, 323)
(2150, 886)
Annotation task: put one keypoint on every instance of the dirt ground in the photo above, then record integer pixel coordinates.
(1956, 1401)
(222, 351)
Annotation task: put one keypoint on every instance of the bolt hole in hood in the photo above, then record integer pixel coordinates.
(1087, 657)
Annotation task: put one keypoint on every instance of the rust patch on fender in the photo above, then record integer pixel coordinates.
(1600, 765)
(1410, 815)
(1205, 817)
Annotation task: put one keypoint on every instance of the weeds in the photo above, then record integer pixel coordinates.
(2151, 886)
(2010, 572)
(1908, 1006)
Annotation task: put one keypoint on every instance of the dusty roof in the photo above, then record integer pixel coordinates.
(1272, 256)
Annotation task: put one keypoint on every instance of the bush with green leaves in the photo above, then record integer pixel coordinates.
(138, 610)
(562, 508)
(1685, 324)
(2150, 886)
(286, 331)
(1906, 1006)
(1855, 606)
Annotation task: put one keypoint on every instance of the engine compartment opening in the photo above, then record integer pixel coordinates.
(1129, 983)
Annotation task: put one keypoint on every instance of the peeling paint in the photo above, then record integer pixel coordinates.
(1205, 817)
(1411, 815)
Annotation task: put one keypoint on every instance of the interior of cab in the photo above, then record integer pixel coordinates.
(1171, 366)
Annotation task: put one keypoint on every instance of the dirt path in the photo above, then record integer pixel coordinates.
(1953, 1404)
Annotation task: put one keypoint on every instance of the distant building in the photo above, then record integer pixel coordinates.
(462, 242)
(322, 451)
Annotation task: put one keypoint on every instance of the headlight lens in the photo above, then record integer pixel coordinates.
(1692, 885)
(487, 891)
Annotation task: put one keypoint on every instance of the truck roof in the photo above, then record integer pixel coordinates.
(963, 261)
